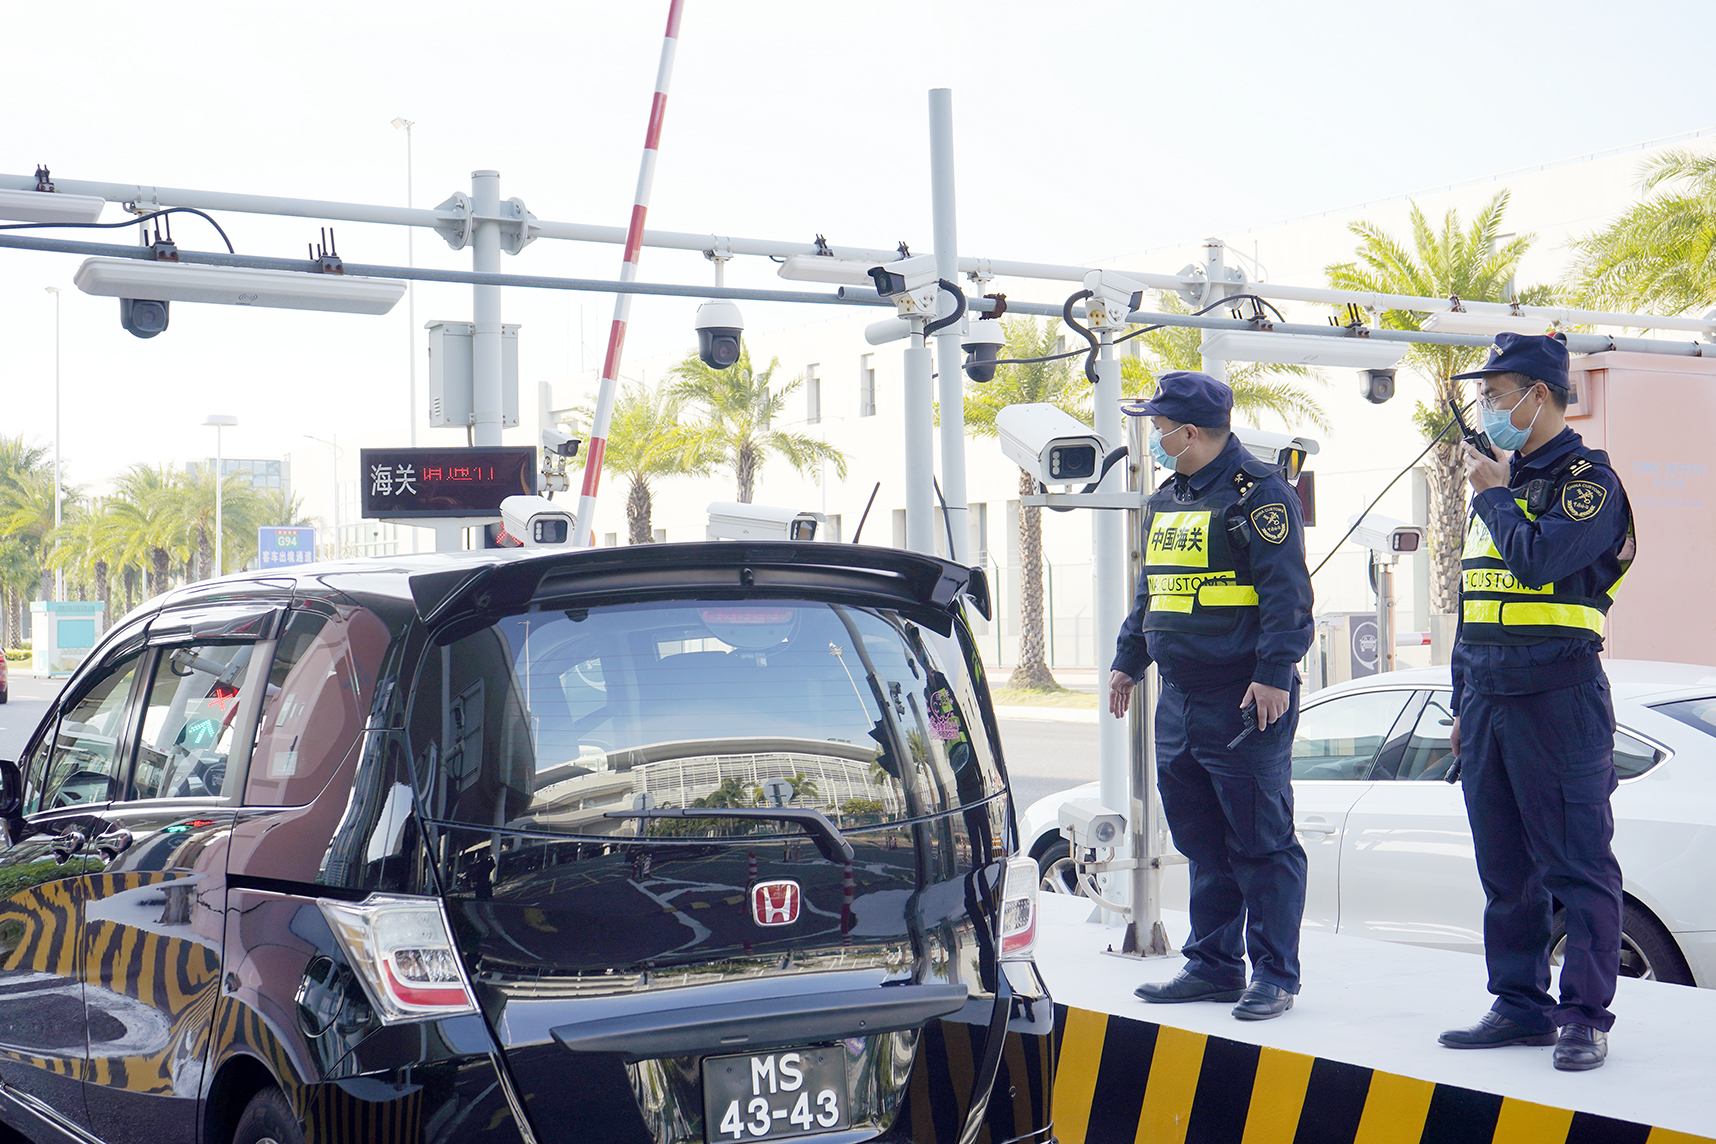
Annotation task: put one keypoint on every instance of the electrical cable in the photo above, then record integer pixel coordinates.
(945, 519)
(139, 220)
(1434, 441)
(1142, 330)
(1095, 346)
(943, 323)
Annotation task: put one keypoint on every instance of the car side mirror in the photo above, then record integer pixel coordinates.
(11, 789)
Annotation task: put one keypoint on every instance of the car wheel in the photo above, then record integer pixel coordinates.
(1648, 951)
(2, 695)
(1059, 872)
(268, 1119)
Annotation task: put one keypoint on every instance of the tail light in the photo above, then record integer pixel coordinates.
(1019, 908)
(402, 950)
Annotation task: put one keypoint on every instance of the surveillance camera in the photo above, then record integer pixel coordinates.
(912, 284)
(1376, 385)
(718, 328)
(1387, 536)
(1282, 450)
(887, 330)
(733, 520)
(1049, 443)
(536, 521)
(559, 443)
(1113, 297)
(1087, 824)
(143, 317)
(983, 340)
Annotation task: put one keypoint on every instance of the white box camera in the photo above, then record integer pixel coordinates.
(1089, 825)
(536, 521)
(1387, 536)
(1049, 443)
(733, 520)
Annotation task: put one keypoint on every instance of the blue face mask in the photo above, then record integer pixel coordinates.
(1163, 457)
(1502, 432)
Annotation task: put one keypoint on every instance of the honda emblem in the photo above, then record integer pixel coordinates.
(775, 903)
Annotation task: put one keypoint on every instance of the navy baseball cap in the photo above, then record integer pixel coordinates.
(1189, 398)
(1542, 357)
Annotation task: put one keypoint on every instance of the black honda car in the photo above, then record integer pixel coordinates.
(679, 844)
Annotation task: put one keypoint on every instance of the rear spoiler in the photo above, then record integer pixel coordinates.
(886, 576)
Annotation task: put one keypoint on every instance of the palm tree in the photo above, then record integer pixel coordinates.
(1660, 254)
(21, 568)
(1257, 386)
(142, 507)
(82, 547)
(1473, 264)
(190, 517)
(647, 438)
(1039, 382)
(741, 409)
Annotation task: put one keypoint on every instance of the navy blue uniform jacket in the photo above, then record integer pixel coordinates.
(1556, 549)
(1267, 641)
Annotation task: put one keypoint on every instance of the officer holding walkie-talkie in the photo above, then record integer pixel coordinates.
(1224, 611)
(1549, 542)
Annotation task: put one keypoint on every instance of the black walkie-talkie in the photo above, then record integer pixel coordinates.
(1477, 440)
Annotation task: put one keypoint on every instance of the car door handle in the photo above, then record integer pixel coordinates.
(67, 844)
(1314, 826)
(110, 845)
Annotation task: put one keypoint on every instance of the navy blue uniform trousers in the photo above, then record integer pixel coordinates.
(1538, 771)
(1231, 814)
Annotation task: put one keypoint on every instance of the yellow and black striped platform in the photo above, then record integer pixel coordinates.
(1121, 1081)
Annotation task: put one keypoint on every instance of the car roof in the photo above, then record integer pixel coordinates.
(1638, 680)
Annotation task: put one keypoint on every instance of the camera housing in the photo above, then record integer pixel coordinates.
(719, 325)
(560, 443)
(982, 342)
(1388, 537)
(1376, 385)
(1113, 298)
(1282, 450)
(735, 520)
(143, 317)
(536, 521)
(912, 284)
(1049, 443)
(1089, 825)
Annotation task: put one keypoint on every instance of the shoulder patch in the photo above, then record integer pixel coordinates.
(1582, 500)
(1272, 522)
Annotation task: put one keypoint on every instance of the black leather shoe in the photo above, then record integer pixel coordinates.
(1581, 1047)
(1262, 1001)
(1184, 987)
(1496, 1031)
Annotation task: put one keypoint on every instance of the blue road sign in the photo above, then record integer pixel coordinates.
(276, 546)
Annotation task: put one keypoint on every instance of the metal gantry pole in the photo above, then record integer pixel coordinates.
(1111, 588)
(607, 391)
(1215, 275)
(1147, 937)
(919, 414)
(220, 488)
(59, 573)
(949, 355)
(486, 400)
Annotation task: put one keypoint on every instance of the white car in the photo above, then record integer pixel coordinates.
(1389, 847)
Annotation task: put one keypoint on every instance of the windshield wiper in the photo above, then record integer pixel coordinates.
(824, 833)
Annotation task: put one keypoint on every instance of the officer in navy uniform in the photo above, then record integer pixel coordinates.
(1224, 611)
(1550, 538)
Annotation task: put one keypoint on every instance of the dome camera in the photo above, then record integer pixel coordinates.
(143, 317)
(982, 343)
(718, 328)
(1376, 385)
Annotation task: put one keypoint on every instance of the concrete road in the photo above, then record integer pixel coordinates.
(27, 701)
(1044, 756)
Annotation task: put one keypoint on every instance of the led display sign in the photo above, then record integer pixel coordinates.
(406, 483)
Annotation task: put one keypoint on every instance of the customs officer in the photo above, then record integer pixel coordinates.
(1224, 611)
(1549, 540)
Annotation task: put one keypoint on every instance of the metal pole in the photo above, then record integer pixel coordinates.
(609, 387)
(1147, 937)
(59, 573)
(485, 311)
(1215, 277)
(1111, 598)
(1385, 613)
(220, 488)
(949, 356)
(919, 414)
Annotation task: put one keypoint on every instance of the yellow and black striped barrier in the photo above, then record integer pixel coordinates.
(1121, 1081)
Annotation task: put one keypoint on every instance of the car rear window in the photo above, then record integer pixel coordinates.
(1699, 713)
(551, 720)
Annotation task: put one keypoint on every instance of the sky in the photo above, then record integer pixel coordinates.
(1082, 134)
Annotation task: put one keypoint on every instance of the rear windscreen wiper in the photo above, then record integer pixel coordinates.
(824, 833)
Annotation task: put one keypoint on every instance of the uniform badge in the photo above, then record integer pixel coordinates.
(1271, 522)
(1582, 500)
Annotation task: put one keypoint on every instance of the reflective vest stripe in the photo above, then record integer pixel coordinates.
(1532, 613)
(1228, 596)
(1171, 604)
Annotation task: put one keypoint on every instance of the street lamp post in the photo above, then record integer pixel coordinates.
(334, 445)
(406, 125)
(220, 421)
(59, 573)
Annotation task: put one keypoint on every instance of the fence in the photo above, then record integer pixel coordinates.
(1069, 617)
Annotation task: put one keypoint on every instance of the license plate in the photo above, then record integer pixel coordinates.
(768, 1096)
